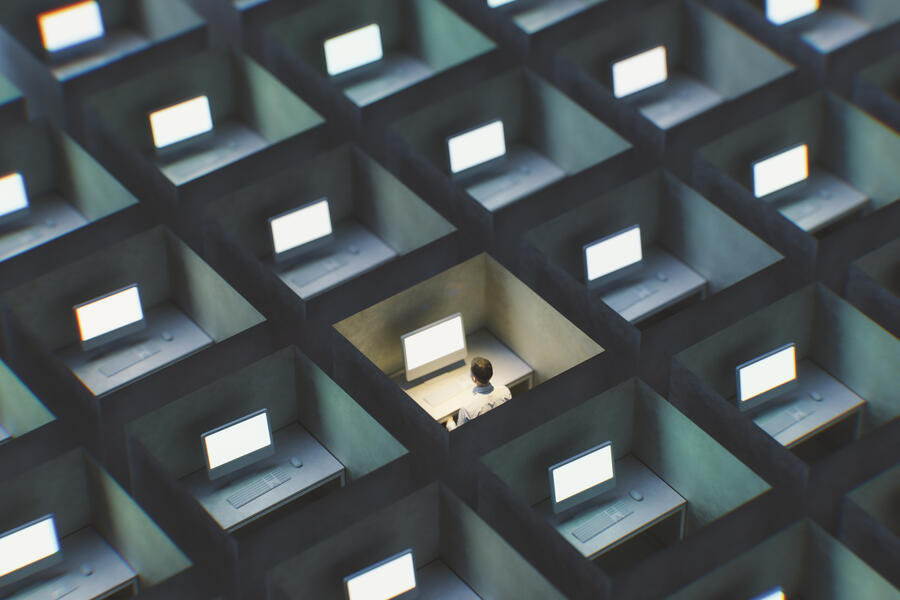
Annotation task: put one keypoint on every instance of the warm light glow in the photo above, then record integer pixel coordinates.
(13, 196)
(70, 25)
(639, 72)
(109, 313)
(181, 121)
(238, 440)
(28, 545)
(613, 253)
(477, 146)
(300, 226)
(784, 11)
(767, 373)
(583, 473)
(434, 342)
(780, 171)
(774, 594)
(496, 3)
(385, 581)
(354, 49)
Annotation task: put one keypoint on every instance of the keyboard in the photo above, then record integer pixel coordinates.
(316, 269)
(625, 298)
(118, 361)
(776, 422)
(256, 488)
(603, 520)
(441, 392)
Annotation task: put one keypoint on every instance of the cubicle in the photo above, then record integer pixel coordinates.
(803, 559)
(877, 90)
(840, 353)
(701, 81)
(20, 410)
(647, 431)
(873, 284)
(455, 553)
(231, 21)
(66, 187)
(137, 36)
(12, 103)
(375, 218)
(109, 544)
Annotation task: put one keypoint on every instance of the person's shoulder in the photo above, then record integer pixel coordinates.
(501, 391)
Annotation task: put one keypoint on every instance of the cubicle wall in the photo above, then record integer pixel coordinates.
(12, 103)
(871, 526)
(20, 410)
(873, 284)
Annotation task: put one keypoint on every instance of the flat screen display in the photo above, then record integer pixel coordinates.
(496, 3)
(27, 545)
(614, 252)
(780, 12)
(70, 25)
(181, 121)
(639, 72)
(773, 594)
(476, 146)
(386, 579)
(581, 474)
(300, 226)
(108, 313)
(767, 372)
(237, 439)
(13, 197)
(781, 170)
(434, 346)
(353, 49)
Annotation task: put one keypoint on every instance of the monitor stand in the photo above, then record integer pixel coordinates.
(521, 172)
(48, 217)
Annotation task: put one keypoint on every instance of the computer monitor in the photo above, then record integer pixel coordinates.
(109, 317)
(13, 197)
(496, 3)
(581, 478)
(353, 49)
(393, 577)
(639, 71)
(237, 444)
(70, 26)
(179, 122)
(766, 377)
(300, 229)
(476, 146)
(773, 594)
(28, 549)
(780, 170)
(780, 12)
(613, 257)
(434, 346)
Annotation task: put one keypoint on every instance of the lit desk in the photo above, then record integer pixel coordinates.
(436, 580)
(818, 201)
(319, 467)
(521, 172)
(49, 217)
(109, 573)
(230, 142)
(387, 76)
(660, 503)
(434, 394)
(799, 417)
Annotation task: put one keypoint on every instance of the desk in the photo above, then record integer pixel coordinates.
(230, 142)
(49, 217)
(659, 504)
(101, 370)
(818, 201)
(838, 403)
(436, 580)
(387, 76)
(319, 467)
(521, 172)
(110, 574)
(509, 370)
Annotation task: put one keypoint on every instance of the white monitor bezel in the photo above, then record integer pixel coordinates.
(405, 594)
(618, 274)
(319, 242)
(115, 334)
(438, 363)
(770, 394)
(464, 132)
(591, 492)
(38, 565)
(244, 460)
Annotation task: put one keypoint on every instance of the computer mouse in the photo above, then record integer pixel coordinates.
(50, 223)
(662, 276)
(86, 570)
(352, 249)
(636, 495)
(167, 336)
(816, 396)
(297, 461)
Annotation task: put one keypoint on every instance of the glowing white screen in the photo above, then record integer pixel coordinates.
(12, 194)
(768, 373)
(109, 313)
(583, 473)
(639, 72)
(28, 545)
(477, 146)
(301, 226)
(354, 49)
(776, 594)
(385, 581)
(780, 171)
(238, 440)
(181, 121)
(613, 253)
(495, 3)
(784, 11)
(431, 344)
(70, 25)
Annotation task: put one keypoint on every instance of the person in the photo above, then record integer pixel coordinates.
(485, 396)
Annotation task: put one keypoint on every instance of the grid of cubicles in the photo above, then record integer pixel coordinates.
(470, 161)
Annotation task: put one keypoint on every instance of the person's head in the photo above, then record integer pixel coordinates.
(482, 371)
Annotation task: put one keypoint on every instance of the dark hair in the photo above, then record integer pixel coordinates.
(482, 369)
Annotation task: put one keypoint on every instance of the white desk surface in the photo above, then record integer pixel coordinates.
(109, 571)
(838, 402)
(509, 370)
(497, 183)
(371, 83)
(187, 338)
(49, 217)
(230, 142)
(319, 467)
(818, 201)
(660, 502)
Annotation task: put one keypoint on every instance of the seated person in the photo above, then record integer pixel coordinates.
(484, 395)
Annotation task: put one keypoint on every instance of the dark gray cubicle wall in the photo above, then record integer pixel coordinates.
(12, 103)
(873, 285)
(870, 525)
(877, 90)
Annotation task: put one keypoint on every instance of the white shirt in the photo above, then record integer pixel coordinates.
(484, 398)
